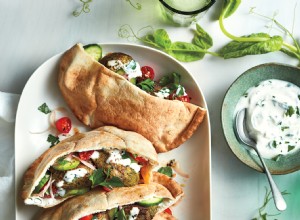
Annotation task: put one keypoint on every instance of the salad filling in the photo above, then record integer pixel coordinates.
(79, 172)
(143, 210)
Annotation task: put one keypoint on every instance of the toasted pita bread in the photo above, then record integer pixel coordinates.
(106, 137)
(97, 201)
(98, 96)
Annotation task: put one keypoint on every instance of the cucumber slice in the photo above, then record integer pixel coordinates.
(95, 50)
(76, 192)
(112, 213)
(42, 183)
(62, 164)
(150, 202)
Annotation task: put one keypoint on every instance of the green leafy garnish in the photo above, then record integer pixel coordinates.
(173, 78)
(53, 140)
(44, 108)
(277, 158)
(274, 144)
(146, 85)
(166, 170)
(101, 177)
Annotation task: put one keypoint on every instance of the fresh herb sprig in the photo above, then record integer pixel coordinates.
(44, 108)
(262, 215)
(255, 43)
(182, 51)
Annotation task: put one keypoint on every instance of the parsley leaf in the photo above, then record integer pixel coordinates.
(44, 108)
(166, 170)
(53, 140)
(290, 147)
(146, 85)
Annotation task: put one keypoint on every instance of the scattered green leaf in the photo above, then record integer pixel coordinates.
(44, 108)
(290, 111)
(290, 147)
(53, 140)
(101, 177)
(166, 170)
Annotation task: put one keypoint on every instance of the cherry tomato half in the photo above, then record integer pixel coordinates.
(88, 217)
(148, 72)
(169, 211)
(63, 125)
(85, 155)
(183, 98)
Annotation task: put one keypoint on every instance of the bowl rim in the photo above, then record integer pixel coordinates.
(254, 165)
(187, 12)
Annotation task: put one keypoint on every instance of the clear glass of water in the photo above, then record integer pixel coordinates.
(184, 12)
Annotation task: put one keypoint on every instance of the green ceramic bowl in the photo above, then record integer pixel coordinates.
(252, 77)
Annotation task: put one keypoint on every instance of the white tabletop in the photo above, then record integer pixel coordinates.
(33, 31)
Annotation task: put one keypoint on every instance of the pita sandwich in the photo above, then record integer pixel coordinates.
(105, 158)
(144, 201)
(99, 96)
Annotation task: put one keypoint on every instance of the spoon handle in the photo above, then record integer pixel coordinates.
(277, 196)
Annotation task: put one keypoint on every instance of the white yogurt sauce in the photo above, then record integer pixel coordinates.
(116, 157)
(72, 174)
(163, 93)
(273, 117)
(132, 68)
(95, 155)
(133, 213)
(39, 201)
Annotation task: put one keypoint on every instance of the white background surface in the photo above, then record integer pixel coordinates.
(33, 31)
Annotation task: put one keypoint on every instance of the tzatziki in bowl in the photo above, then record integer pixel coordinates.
(270, 93)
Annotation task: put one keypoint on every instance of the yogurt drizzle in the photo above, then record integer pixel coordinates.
(273, 117)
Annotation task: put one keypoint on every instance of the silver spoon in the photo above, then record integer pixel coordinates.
(244, 137)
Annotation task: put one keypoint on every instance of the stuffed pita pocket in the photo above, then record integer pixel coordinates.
(144, 201)
(107, 157)
(99, 96)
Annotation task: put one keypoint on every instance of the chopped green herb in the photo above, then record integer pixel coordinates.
(284, 127)
(297, 111)
(290, 147)
(180, 91)
(274, 144)
(146, 85)
(299, 97)
(290, 111)
(166, 170)
(44, 108)
(53, 140)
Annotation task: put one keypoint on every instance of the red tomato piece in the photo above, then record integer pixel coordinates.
(63, 125)
(183, 98)
(107, 189)
(141, 160)
(85, 155)
(169, 211)
(148, 72)
(88, 217)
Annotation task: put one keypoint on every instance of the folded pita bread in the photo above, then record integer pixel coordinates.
(99, 201)
(107, 138)
(99, 96)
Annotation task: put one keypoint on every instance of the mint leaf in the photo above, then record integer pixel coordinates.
(100, 177)
(53, 140)
(290, 147)
(146, 85)
(166, 170)
(97, 177)
(44, 108)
